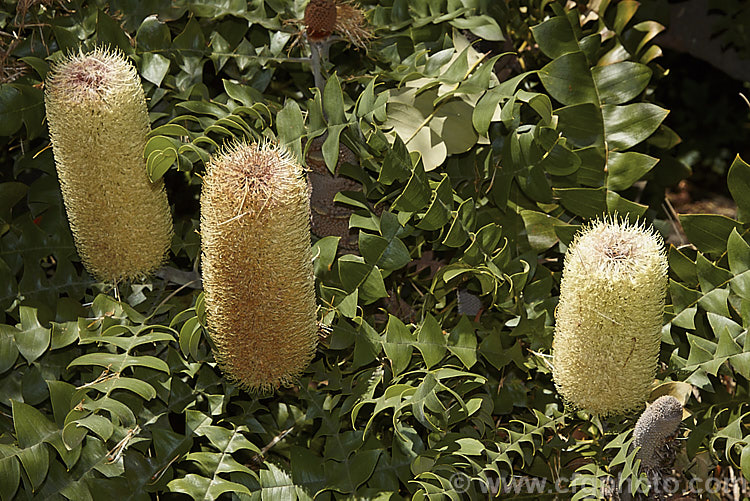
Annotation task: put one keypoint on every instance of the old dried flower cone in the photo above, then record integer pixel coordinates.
(654, 433)
(257, 265)
(329, 218)
(98, 123)
(608, 321)
(324, 18)
(320, 19)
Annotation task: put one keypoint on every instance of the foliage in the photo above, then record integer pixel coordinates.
(731, 24)
(469, 181)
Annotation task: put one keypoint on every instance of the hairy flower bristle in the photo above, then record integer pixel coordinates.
(324, 18)
(351, 24)
(98, 123)
(320, 19)
(609, 318)
(257, 265)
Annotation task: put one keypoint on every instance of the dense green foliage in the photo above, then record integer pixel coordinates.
(476, 170)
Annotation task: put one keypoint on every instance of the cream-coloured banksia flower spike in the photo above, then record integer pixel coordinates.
(609, 319)
(257, 265)
(98, 123)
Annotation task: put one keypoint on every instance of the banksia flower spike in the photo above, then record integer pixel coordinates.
(609, 318)
(98, 123)
(654, 434)
(257, 265)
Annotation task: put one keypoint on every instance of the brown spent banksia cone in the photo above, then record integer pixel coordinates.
(320, 18)
(329, 218)
(257, 265)
(654, 433)
(324, 18)
(98, 123)
(609, 318)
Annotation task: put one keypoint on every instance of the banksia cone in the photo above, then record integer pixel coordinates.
(257, 265)
(98, 123)
(654, 433)
(320, 19)
(329, 218)
(609, 318)
(468, 303)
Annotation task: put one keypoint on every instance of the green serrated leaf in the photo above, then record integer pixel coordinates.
(416, 194)
(333, 101)
(620, 82)
(154, 67)
(388, 252)
(555, 37)
(462, 342)
(8, 349)
(152, 35)
(627, 125)
(738, 182)
(119, 362)
(110, 33)
(463, 223)
(745, 461)
(202, 488)
(568, 79)
(35, 462)
(624, 169)
(32, 340)
(431, 342)
(708, 232)
(585, 202)
(398, 344)
(10, 472)
(291, 127)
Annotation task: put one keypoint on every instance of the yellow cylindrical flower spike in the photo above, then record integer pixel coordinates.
(98, 123)
(257, 265)
(609, 319)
